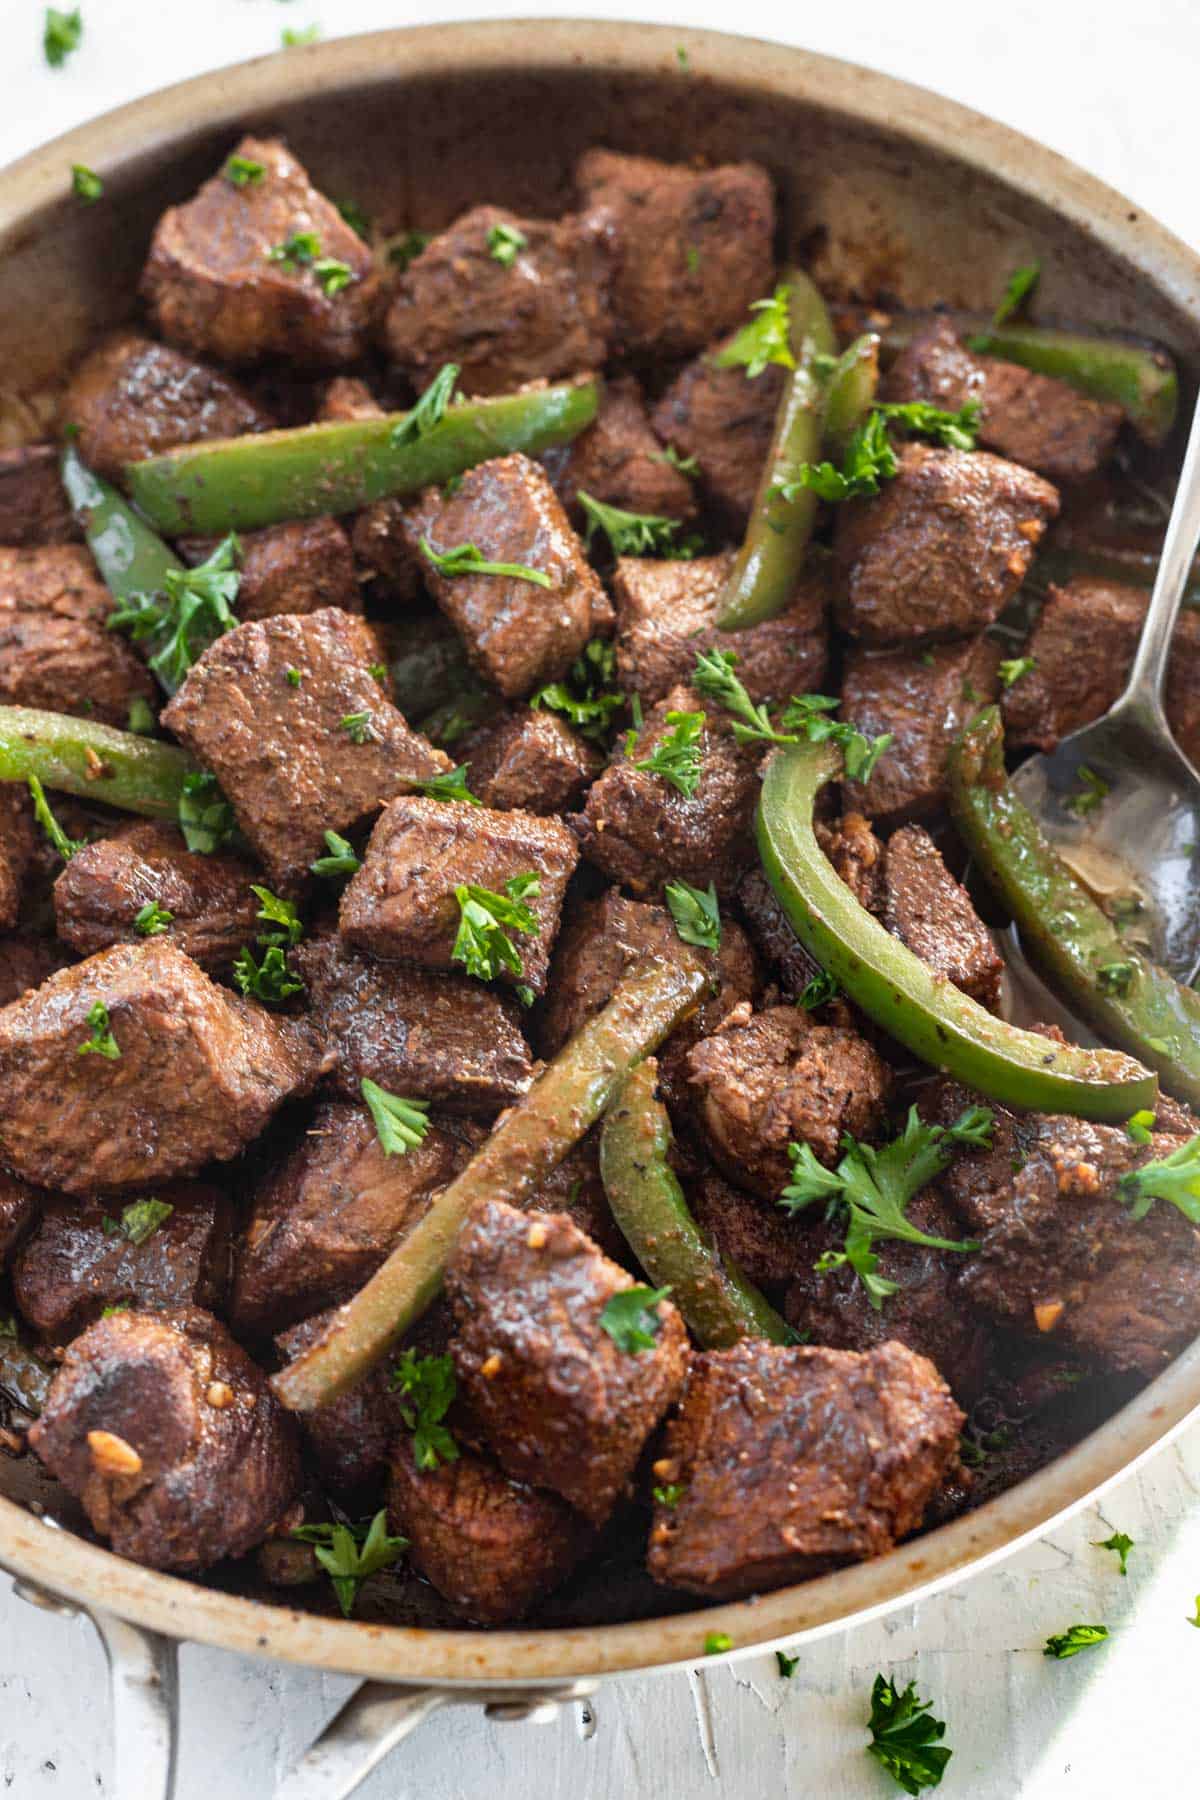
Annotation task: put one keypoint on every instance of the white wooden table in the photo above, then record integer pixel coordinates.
(1113, 87)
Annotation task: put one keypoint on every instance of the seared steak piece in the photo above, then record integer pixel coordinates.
(491, 1547)
(213, 284)
(518, 634)
(18, 1209)
(542, 313)
(726, 421)
(575, 1187)
(641, 831)
(105, 888)
(298, 759)
(794, 1461)
(924, 699)
(351, 1438)
(402, 901)
(694, 246)
(132, 398)
(940, 551)
(666, 614)
(297, 567)
(83, 1258)
(928, 910)
(857, 856)
(1031, 419)
(751, 1232)
(620, 462)
(345, 399)
(26, 959)
(170, 1437)
(54, 649)
(17, 845)
(773, 936)
(34, 508)
(777, 1079)
(559, 1403)
(198, 1075)
(529, 759)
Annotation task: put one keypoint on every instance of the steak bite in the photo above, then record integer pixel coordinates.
(575, 1187)
(26, 959)
(542, 313)
(754, 1234)
(561, 1405)
(346, 399)
(197, 1074)
(1030, 418)
(726, 420)
(666, 615)
(350, 1439)
(857, 856)
(167, 1433)
(403, 903)
(619, 461)
(529, 759)
(132, 398)
(55, 650)
(773, 937)
(18, 1209)
(695, 247)
(220, 281)
(928, 910)
(940, 551)
(777, 1079)
(298, 759)
(794, 1461)
(18, 843)
(34, 508)
(518, 633)
(297, 567)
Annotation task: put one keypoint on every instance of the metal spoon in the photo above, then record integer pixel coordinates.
(1119, 800)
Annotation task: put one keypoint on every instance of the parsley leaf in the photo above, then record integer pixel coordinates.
(482, 944)
(86, 185)
(687, 465)
(142, 1218)
(696, 913)
(905, 1737)
(819, 991)
(1093, 791)
(295, 252)
(669, 1495)
(406, 247)
(190, 614)
(341, 859)
(586, 698)
(1017, 290)
(102, 1042)
(955, 430)
(400, 1124)
(1138, 1126)
(1015, 668)
(1119, 1544)
(270, 981)
(450, 785)
(765, 339)
(1196, 1619)
(349, 1553)
(503, 242)
(1175, 1178)
(717, 1642)
(243, 171)
(631, 1319)
(280, 913)
(294, 37)
(61, 35)
(359, 727)
(429, 410)
(205, 816)
(676, 758)
(867, 460)
(714, 677)
(1075, 1639)
(808, 715)
(152, 919)
(355, 218)
(787, 1664)
(466, 559)
(429, 1386)
(332, 274)
(141, 719)
(66, 846)
(629, 533)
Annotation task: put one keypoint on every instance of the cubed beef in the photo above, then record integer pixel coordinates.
(529, 759)
(857, 856)
(1030, 418)
(346, 399)
(666, 615)
(773, 936)
(17, 842)
(26, 959)
(1082, 646)
(491, 1547)
(167, 1433)
(726, 421)
(561, 1405)
(198, 1075)
(778, 1079)
(296, 760)
(620, 462)
(106, 886)
(34, 508)
(402, 902)
(214, 285)
(55, 650)
(924, 698)
(518, 634)
(85, 1257)
(928, 910)
(351, 1438)
(132, 398)
(298, 567)
(575, 1187)
(941, 549)
(436, 1037)
(794, 1461)
(641, 831)
(381, 547)
(695, 247)
(19, 1205)
(750, 1232)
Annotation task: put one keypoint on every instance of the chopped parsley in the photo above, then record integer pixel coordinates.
(823, 988)
(1017, 290)
(717, 1642)
(294, 37)
(355, 218)
(504, 242)
(631, 1318)
(359, 727)
(1074, 1639)
(809, 716)
(193, 611)
(1175, 1178)
(205, 816)
(1195, 1619)
(482, 944)
(1115, 977)
(66, 846)
(765, 339)
(587, 697)
(805, 716)
(102, 1042)
(294, 677)
(243, 171)
(629, 533)
(296, 252)
(152, 919)
(669, 1495)
(787, 1664)
(404, 249)
(270, 981)
(1119, 1544)
(696, 912)
(870, 457)
(288, 926)
(687, 465)
(349, 1553)
(451, 785)
(429, 410)
(86, 185)
(905, 1737)
(61, 35)
(142, 1218)
(681, 57)
(340, 861)
(1093, 791)
(332, 274)
(399, 1123)
(676, 758)
(1014, 668)
(1139, 1125)
(714, 677)
(141, 719)
(954, 430)
(466, 559)
(428, 1386)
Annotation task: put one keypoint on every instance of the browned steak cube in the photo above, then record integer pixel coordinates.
(351, 1438)
(132, 398)
(923, 698)
(326, 1217)
(619, 461)
(940, 551)
(197, 1076)
(504, 320)
(55, 651)
(694, 246)
(491, 1547)
(576, 1187)
(666, 615)
(793, 1461)
(220, 281)
(167, 1433)
(726, 420)
(345, 399)
(435, 1037)
(84, 1258)
(402, 902)
(641, 831)
(298, 758)
(753, 1233)
(777, 1079)
(518, 634)
(561, 1405)
(34, 508)
(773, 936)
(26, 959)
(1029, 418)
(381, 549)
(858, 857)
(529, 759)
(17, 844)
(19, 1205)
(297, 567)
(928, 910)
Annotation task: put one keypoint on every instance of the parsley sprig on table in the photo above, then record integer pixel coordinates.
(1119, 1544)
(631, 1318)
(192, 611)
(349, 1553)
(630, 533)
(1074, 1639)
(428, 1387)
(765, 339)
(429, 410)
(61, 35)
(1175, 1178)
(696, 912)
(482, 944)
(400, 1124)
(468, 559)
(905, 1737)
(676, 757)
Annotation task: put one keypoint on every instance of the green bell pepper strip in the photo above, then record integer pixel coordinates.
(131, 558)
(718, 1303)
(531, 1139)
(901, 993)
(239, 484)
(763, 579)
(1060, 924)
(851, 393)
(97, 762)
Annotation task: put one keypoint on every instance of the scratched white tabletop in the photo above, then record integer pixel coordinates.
(1114, 88)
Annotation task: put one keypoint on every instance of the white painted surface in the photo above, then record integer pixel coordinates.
(1113, 87)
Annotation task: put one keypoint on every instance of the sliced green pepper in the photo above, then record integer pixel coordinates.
(238, 484)
(1061, 925)
(718, 1302)
(97, 762)
(900, 992)
(851, 393)
(131, 558)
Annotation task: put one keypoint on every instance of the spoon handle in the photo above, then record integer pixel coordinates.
(1143, 692)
